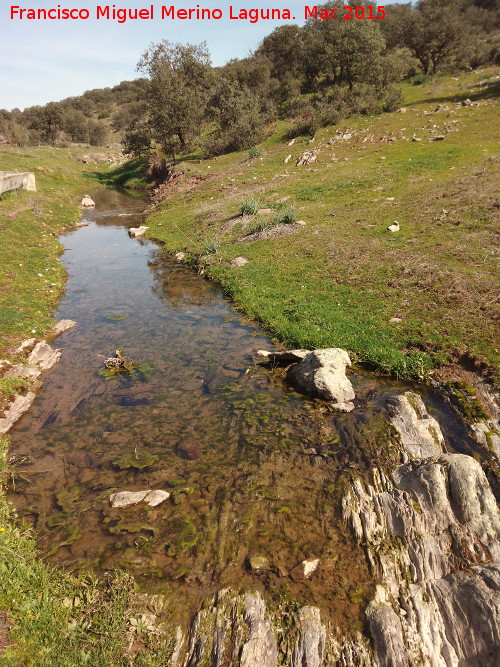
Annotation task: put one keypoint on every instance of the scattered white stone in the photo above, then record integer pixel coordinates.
(416, 139)
(394, 227)
(301, 223)
(87, 201)
(403, 110)
(310, 565)
(307, 157)
(263, 353)
(133, 232)
(291, 143)
(395, 320)
(62, 326)
(287, 159)
(180, 256)
(239, 262)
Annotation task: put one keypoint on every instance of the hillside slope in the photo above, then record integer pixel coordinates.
(402, 301)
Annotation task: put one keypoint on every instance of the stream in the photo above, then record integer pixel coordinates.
(253, 468)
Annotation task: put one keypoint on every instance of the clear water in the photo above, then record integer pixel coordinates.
(253, 468)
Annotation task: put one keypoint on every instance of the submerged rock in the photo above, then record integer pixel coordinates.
(189, 449)
(62, 326)
(419, 434)
(322, 373)
(258, 563)
(129, 498)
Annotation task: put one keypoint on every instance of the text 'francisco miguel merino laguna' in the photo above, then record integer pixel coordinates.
(122, 15)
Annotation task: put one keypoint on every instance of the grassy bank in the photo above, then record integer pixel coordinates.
(340, 279)
(32, 278)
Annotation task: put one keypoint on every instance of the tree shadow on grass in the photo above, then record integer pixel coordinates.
(489, 89)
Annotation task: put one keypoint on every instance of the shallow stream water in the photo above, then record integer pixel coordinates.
(253, 468)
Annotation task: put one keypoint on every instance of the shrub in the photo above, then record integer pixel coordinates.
(254, 153)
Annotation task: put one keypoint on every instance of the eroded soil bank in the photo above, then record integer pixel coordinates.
(256, 472)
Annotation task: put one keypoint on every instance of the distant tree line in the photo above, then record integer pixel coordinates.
(91, 118)
(312, 76)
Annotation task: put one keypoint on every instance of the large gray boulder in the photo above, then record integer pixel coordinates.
(322, 373)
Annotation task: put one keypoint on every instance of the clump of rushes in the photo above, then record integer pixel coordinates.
(258, 226)
(249, 206)
(286, 215)
(211, 247)
(254, 153)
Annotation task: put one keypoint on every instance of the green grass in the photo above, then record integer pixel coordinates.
(31, 274)
(339, 280)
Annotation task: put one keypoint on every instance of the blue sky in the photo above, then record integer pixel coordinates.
(44, 61)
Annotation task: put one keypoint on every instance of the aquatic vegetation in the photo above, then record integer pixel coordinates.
(119, 365)
(136, 460)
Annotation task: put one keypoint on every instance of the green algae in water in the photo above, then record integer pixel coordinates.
(134, 369)
(115, 318)
(137, 460)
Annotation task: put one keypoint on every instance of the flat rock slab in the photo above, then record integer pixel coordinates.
(129, 498)
(62, 326)
(284, 357)
(419, 433)
(15, 411)
(26, 372)
(43, 356)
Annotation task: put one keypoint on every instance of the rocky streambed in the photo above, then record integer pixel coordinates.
(285, 508)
